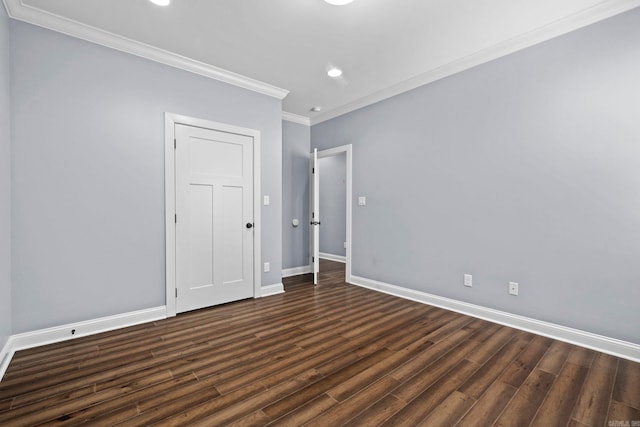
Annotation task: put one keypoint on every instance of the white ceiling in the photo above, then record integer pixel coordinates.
(384, 47)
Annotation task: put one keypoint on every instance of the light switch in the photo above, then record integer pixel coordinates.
(362, 201)
(468, 280)
(266, 200)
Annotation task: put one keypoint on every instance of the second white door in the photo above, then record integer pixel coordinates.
(214, 217)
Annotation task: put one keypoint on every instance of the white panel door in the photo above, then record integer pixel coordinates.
(314, 228)
(214, 217)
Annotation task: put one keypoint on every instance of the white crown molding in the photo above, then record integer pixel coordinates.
(17, 10)
(296, 118)
(596, 342)
(75, 330)
(599, 12)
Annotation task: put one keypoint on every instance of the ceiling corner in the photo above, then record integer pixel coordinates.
(17, 10)
(296, 118)
(11, 6)
(603, 10)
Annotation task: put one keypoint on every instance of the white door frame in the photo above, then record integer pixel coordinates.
(170, 121)
(314, 231)
(348, 149)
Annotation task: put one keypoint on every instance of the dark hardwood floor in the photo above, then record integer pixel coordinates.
(329, 355)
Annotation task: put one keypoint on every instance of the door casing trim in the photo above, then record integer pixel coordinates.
(348, 151)
(170, 120)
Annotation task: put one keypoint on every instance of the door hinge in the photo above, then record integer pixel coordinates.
(176, 292)
(313, 170)
(175, 218)
(313, 214)
(175, 144)
(313, 259)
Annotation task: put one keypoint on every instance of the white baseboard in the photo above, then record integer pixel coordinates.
(296, 271)
(596, 342)
(5, 357)
(89, 327)
(332, 257)
(275, 289)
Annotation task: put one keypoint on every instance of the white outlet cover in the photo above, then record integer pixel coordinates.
(266, 201)
(513, 288)
(362, 201)
(267, 267)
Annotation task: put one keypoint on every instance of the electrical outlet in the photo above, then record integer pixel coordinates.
(468, 280)
(266, 201)
(513, 288)
(267, 267)
(345, 245)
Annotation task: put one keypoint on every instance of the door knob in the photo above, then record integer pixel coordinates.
(249, 225)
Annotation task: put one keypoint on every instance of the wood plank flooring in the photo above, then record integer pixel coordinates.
(329, 355)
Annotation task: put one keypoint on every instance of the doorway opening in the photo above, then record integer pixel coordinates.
(331, 208)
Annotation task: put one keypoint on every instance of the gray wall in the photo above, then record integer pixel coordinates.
(333, 208)
(523, 169)
(88, 159)
(5, 183)
(296, 140)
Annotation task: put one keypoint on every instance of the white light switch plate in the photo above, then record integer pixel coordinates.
(362, 201)
(468, 280)
(266, 201)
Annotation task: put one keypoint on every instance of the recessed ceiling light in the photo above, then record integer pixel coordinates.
(316, 109)
(334, 72)
(338, 2)
(161, 2)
